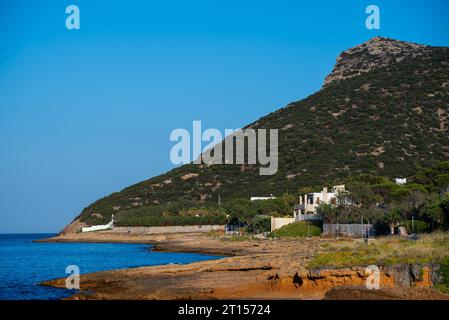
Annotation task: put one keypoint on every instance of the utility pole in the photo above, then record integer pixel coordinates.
(219, 200)
(362, 229)
(368, 230)
(338, 230)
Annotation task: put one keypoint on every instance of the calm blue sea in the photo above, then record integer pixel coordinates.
(24, 263)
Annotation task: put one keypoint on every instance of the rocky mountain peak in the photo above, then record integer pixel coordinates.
(374, 53)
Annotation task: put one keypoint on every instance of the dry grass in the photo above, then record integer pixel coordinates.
(384, 251)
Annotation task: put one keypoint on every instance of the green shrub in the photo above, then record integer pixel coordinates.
(416, 226)
(259, 224)
(297, 229)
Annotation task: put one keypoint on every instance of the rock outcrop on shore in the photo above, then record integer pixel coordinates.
(253, 270)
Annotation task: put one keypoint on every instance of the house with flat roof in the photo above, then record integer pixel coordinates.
(309, 202)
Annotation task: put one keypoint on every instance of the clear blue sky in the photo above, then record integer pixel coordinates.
(87, 112)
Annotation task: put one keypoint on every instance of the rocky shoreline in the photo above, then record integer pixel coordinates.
(252, 269)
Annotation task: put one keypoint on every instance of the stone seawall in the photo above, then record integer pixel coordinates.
(168, 229)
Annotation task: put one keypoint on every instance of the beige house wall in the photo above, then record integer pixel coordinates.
(277, 223)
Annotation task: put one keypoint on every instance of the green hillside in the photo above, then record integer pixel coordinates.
(391, 121)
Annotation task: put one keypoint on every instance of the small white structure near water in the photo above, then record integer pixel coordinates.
(100, 227)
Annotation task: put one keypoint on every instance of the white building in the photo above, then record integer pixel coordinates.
(261, 198)
(100, 227)
(400, 181)
(309, 202)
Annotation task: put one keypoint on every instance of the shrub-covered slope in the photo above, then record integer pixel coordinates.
(390, 119)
